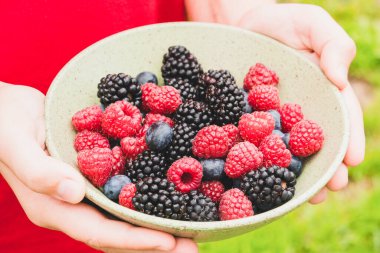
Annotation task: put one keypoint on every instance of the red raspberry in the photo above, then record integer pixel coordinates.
(291, 114)
(275, 152)
(96, 165)
(151, 118)
(306, 138)
(89, 118)
(233, 134)
(234, 205)
(212, 189)
(161, 99)
(89, 140)
(146, 91)
(242, 158)
(264, 98)
(255, 126)
(133, 146)
(211, 142)
(259, 75)
(121, 119)
(186, 173)
(118, 161)
(126, 195)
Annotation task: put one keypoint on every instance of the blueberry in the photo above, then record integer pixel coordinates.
(296, 165)
(213, 169)
(159, 136)
(113, 186)
(146, 77)
(279, 133)
(247, 108)
(286, 139)
(277, 119)
(103, 107)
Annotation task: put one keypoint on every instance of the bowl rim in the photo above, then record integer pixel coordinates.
(93, 194)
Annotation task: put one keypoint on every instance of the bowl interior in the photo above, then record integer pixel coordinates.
(216, 47)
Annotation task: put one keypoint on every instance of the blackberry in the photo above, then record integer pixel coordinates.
(115, 87)
(186, 89)
(223, 96)
(200, 208)
(157, 196)
(194, 112)
(147, 164)
(268, 188)
(183, 135)
(178, 62)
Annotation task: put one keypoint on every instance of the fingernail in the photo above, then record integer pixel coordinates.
(69, 191)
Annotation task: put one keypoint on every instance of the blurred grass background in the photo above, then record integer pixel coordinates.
(349, 221)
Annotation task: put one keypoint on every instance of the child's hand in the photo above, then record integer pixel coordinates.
(50, 191)
(313, 32)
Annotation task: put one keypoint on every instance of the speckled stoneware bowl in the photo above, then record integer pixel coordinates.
(216, 47)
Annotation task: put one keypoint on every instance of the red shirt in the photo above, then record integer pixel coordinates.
(37, 38)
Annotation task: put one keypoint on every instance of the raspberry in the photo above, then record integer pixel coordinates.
(291, 114)
(161, 99)
(259, 75)
(89, 140)
(275, 152)
(151, 118)
(118, 161)
(121, 119)
(234, 205)
(133, 146)
(89, 118)
(255, 126)
(211, 142)
(186, 173)
(306, 138)
(242, 158)
(233, 135)
(264, 98)
(146, 91)
(212, 189)
(126, 195)
(96, 164)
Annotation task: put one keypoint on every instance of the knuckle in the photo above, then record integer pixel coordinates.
(34, 215)
(93, 242)
(351, 47)
(37, 181)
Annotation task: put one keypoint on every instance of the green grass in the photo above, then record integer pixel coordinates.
(329, 227)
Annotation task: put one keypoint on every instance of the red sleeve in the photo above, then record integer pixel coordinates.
(40, 36)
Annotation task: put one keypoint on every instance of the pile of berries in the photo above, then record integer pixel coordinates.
(197, 148)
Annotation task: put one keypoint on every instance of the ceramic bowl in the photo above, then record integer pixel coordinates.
(216, 47)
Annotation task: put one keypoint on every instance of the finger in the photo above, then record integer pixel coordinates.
(182, 245)
(356, 147)
(331, 42)
(339, 180)
(75, 220)
(42, 173)
(319, 197)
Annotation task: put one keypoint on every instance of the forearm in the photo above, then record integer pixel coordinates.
(221, 11)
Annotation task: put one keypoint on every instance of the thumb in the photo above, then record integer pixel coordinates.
(336, 58)
(42, 173)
